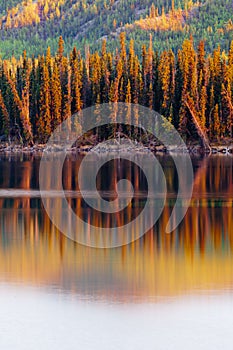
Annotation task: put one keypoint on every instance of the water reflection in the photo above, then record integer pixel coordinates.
(198, 256)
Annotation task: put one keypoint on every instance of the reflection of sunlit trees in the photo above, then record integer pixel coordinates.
(159, 264)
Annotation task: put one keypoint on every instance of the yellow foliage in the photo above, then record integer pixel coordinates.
(58, 13)
(174, 20)
(29, 13)
(220, 31)
(229, 25)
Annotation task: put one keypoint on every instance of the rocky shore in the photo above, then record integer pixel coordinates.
(192, 149)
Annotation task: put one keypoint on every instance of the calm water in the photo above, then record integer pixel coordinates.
(159, 292)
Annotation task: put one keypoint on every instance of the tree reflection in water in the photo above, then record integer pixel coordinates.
(198, 256)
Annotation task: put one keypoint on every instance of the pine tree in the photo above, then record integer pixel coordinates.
(215, 123)
(202, 107)
(143, 89)
(66, 91)
(44, 121)
(227, 110)
(106, 62)
(178, 91)
(201, 67)
(128, 93)
(56, 98)
(150, 92)
(230, 65)
(49, 61)
(215, 74)
(22, 105)
(189, 88)
(166, 81)
(134, 72)
(5, 118)
(60, 53)
(95, 76)
(33, 96)
(152, 11)
(76, 82)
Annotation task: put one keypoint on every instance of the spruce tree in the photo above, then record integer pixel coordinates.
(44, 121)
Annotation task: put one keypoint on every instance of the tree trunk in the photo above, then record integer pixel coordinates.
(200, 131)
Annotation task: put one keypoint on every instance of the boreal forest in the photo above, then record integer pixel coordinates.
(58, 57)
(36, 24)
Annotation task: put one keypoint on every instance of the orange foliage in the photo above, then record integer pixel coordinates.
(174, 20)
(30, 13)
(229, 26)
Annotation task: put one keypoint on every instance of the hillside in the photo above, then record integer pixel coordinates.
(34, 25)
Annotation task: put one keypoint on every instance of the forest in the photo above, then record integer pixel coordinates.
(37, 24)
(192, 90)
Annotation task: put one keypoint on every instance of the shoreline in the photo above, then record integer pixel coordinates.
(6, 148)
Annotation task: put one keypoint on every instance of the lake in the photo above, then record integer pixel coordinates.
(162, 291)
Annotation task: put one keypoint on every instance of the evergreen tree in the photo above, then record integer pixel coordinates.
(44, 120)
(76, 82)
(56, 97)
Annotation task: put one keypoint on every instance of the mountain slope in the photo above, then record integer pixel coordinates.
(34, 25)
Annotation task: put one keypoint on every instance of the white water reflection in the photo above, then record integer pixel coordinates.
(38, 319)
